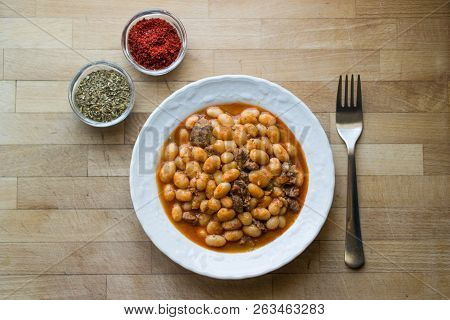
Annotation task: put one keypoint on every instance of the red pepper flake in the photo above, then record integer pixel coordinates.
(154, 43)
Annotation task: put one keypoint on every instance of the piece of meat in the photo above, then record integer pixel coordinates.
(189, 217)
(261, 226)
(288, 173)
(244, 177)
(246, 240)
(241, 156)
(293, 205)
(201, 134)
(238, 203)
(291, 190)
(250, 165)
(240, 196)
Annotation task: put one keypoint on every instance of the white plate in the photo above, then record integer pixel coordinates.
(225, 89)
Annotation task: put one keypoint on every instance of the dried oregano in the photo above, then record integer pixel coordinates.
(103, 95)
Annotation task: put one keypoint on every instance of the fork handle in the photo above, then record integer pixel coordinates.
(354, 252)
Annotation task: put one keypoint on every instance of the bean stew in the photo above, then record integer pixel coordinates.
(232, 177)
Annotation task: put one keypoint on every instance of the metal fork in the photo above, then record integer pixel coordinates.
(349, 125)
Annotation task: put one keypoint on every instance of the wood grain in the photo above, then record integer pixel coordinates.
(76, 258)
(8, 96)
(44, 160)
(16, 8)
(74, 193)
(67, 8)
(35, 33)
(424, 128)
(390, 256)
(414, 8)
(282, 9)
(53, 287)
(42, 96)
(405, 159)
(111, 160)
(362, 286)
(436, 160)
(379, 96)
(297, 65)
(70, 226)
(60, 128)
(391, 224)
(186, 287)
(67, 227)
(8, 193)
(396, 191)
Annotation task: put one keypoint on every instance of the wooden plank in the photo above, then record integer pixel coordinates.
(19, 62)
(436, 159)
(53, 287)
(36, 33)
(328, 33)
(42, 96)
(151, 94)
(186, 287)
(407, 8)
(76, 258)
(8, 96)
(102, 8)
(74, 193)
(91, 32)
(133, 125)
(429, 34)
(8, 193)
(379, 96)
(70, 226)
(390, 256)
(297, 65)
(17, 8)
(386, 128)
(381, 159)
(111, 160)
(282, 9)
(396, 191)
(2, 66)
(362, 286)
(413, 64)
(44, 160)
(58, 128)
(391, 224)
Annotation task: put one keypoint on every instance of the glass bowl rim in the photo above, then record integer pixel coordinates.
(178, 25)
(77, 77)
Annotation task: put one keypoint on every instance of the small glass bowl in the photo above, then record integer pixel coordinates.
(151, 14)
(85, 71)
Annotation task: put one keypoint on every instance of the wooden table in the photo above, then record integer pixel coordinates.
(67, 228)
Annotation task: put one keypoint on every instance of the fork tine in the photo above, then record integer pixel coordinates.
(346, 92)
(359, 95)
(352, 84)
(339, 95)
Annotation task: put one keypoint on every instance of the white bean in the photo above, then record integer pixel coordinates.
(252, 231)
(225, 120)
(214, 112)
(167, 171)
(191, 121)
(215, 241)
(171, 151)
